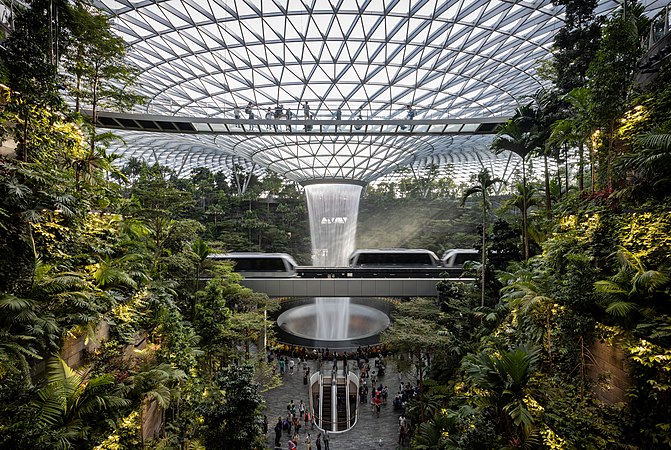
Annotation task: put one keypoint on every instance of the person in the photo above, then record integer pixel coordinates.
(291, 445)
(338, 116)
(326, 440)
(265, 424)
(307, 115)
(289, 114)
(236, 112)
(281, 367)
(358, 127)
(377, 401)
(269, 116)
(278, 111)
(249, 111)
(278, 431)
(291, 367)
(308, 442)
(410, 115)
(297, 425)
(318, 441)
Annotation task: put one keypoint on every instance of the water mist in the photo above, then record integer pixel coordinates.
(333, 210)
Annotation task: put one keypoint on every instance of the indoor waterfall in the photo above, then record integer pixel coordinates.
(333, 210)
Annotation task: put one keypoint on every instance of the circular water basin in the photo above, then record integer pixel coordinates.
(334, 321)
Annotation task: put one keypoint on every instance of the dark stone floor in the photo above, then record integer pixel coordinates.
(370, 432)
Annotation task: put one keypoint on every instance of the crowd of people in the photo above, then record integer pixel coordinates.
(280, 112)
(370, 362)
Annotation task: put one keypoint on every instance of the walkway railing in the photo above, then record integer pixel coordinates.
(246, 127)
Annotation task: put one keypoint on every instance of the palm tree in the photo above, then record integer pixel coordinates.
(502, 383)
(576, 130)
(521, 135)
(483, 185)
(69, 397)
(528, 291)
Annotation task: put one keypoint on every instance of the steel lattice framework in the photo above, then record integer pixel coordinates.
(368, 58)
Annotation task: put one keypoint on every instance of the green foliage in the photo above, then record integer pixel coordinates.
(502, 381)
(63, 405)
(651, 392)
(575, 44)
(125, 435)
(230, 412)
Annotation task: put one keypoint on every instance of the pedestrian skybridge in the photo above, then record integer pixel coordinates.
(283, 126)
(347, 287)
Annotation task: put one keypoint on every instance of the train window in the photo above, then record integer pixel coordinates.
(393, 259)
(259, 264)
(461, 258)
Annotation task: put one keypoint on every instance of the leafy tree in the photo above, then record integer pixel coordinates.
(528, 290)
(231, 410)
(31, 70)
(647, 170)
(575, 44)
(610, 82)
(416, 333)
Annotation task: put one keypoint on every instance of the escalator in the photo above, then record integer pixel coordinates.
(342, 407)
(326, 406)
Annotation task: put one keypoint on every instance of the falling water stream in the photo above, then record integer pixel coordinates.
(333, 210)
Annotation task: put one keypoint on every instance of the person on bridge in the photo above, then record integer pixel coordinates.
(249, 111)
(410, 115)
(338, 116)
(269, 116)
(358, 127)
(307, 115)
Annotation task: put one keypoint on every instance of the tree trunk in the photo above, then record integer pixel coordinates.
(581, 165)
(525, 239)
(484, 248)
(548, 199)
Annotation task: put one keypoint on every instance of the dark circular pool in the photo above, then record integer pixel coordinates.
(333, 323)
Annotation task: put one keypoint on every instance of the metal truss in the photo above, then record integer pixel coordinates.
(346, 58)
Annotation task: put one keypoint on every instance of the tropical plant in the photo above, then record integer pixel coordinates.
(502, 382)
(635, 289)
(528, 290)
(576, 129)
(68, 399)
(20, 327)
(646, 171)
(231, 410)
(610, 77)
(154, 383)
(482, 187)
(522, 134)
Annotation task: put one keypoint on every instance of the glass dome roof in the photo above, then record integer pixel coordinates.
(446, 58)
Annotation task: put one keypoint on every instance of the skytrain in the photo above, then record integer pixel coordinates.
(363, 263)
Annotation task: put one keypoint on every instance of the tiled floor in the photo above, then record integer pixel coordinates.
(370, 432)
